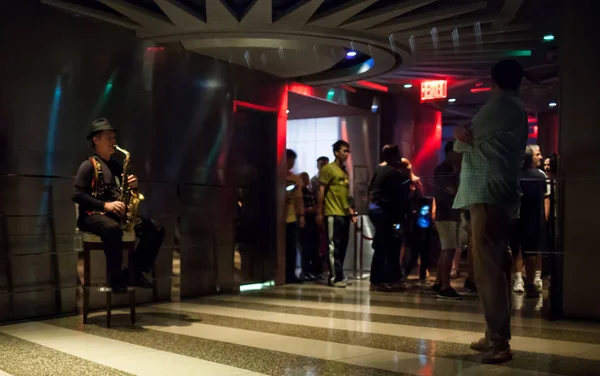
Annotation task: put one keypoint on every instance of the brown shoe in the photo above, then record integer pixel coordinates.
(499, 353)
(482, 345)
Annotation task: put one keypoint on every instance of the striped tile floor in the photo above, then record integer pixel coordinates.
(307, 329)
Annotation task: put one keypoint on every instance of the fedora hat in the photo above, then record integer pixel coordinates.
(98, 126)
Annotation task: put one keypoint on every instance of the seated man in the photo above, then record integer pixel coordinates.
(96, 190)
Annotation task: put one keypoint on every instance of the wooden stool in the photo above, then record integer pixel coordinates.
(93, 242)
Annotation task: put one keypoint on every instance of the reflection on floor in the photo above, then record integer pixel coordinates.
(308, 329)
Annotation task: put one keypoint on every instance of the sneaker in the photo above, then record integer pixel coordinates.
(499, 353)
(380, 287)
(531, 292)
(470, 286)
(539, 285)
(449, 294)
(481, 345)
(519, 286)
(339, 284)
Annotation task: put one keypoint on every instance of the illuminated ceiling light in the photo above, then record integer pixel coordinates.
(552, 104)
(287, 111)
(374, 108)
(407, 86)
(366, 66)
(451, 100)
(548, 38)
(372, 85)
(350, 54)
(519, 53)
(330, 94)
(480, 89)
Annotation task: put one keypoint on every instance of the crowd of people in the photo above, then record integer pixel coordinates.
(491, 186)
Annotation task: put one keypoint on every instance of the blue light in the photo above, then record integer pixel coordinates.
(366, 66)
(351, 54)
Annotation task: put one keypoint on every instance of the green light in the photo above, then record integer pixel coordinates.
(407, 86)
(548, 37)
(330, 94)
(257, 286)
(519, 53)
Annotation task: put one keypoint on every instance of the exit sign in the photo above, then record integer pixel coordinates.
(434, 89)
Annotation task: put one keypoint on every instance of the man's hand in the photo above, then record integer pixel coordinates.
(301, 222)
(463, 134)
(116, 207)
(132, 181)
(319, 219)
(354, 219)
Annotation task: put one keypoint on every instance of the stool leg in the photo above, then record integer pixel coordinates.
(86, 282)
(108, 307)
(131, 266)
(108, 296)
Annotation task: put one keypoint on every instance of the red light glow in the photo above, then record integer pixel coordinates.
(533, 131)
(282, 118)
(434, 89)
(432, 144)
(348, 88)
(301, 89)
(480, 89)
(252, 106)
(372, 85)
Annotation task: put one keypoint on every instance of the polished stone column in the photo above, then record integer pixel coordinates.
(579, 157)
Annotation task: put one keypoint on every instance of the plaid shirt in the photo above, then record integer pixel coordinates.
(491, 168)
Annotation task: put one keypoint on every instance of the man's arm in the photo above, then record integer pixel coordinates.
(83, 185)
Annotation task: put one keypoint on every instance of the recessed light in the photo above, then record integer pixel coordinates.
(351, 54)
(287, 111)
(452, 100)
(407, 86)
(552, 104)
(548, 38)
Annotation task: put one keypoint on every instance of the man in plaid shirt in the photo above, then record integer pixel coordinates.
(493, 150)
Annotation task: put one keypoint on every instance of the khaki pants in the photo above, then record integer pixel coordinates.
(492, 261)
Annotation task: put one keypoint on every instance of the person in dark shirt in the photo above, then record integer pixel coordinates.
(389, 205)
(446, 179)
(528, 233)
(97, 194)
(309, 235)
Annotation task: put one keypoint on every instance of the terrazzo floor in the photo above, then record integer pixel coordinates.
(307, 329)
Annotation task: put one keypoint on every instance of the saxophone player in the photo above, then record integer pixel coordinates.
(97, 191)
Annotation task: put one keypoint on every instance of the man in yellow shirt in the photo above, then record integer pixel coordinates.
(294, 217)
(333, 209)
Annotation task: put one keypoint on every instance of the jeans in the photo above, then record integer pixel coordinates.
(150, 233)
(309, 240)
(387, 242)
(338, 231)
(291, 237)
(418, 242)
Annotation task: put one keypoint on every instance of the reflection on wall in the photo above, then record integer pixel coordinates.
(175, 115)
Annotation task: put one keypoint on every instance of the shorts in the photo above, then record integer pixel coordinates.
(449, 234)
(526, 237)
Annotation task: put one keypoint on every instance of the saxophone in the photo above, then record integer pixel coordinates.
(129, 196)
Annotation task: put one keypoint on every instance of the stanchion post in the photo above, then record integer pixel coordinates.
(360, 260)
(355, 268)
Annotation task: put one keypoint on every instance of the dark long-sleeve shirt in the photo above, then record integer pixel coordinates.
(82, 188)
